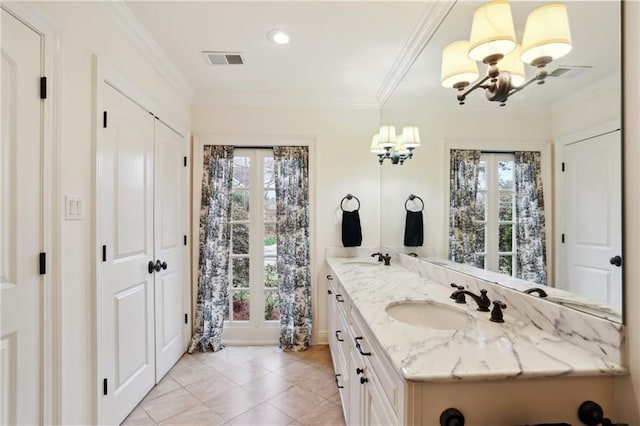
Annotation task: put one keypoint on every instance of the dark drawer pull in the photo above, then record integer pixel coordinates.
(363, 380)
(339, 298)
(360, 347)
(338, 383)
(329, 292)
(338, 337)
(330, 277)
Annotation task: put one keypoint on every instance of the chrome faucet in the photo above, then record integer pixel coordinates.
(540, 292)
(482, 300)
(386, 258)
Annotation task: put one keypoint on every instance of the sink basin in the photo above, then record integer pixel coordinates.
(361, 263)
(428, 314)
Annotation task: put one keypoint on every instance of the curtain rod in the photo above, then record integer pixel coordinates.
(497, 152)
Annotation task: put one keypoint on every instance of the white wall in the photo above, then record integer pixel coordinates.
(589, 108)
(341, 165)
(627, 389)
(85, 31)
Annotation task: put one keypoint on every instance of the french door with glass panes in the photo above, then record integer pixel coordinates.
(495, 214)
(253, 315)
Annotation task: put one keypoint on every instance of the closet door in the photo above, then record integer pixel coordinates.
(125, 220)
(21, 224)
(170, 214)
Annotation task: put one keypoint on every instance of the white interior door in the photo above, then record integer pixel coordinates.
(593, 217)
(170, 249)
(125, 179)
(21, 229)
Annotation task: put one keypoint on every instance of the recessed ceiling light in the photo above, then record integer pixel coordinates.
(278, 36)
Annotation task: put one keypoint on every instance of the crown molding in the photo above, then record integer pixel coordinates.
(256, 100)
(135, 32)
(431, 19)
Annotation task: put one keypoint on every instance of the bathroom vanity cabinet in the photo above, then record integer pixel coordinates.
(380, 384)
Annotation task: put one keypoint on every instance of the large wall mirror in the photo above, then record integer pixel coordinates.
(572, 122)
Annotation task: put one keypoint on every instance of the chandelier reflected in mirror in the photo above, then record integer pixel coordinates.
(547, 37)
(395, 148)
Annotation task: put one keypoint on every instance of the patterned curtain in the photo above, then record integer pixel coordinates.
(530, 230)
(291, 166)
(213, 263)
(463, 179)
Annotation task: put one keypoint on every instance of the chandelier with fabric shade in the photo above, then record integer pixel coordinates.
(492, 41)
(397, 148)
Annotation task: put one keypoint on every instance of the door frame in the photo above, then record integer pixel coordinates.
(558, 205)
(103, 72)
(33, 17)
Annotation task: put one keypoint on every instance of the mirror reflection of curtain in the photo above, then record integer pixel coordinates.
(463, 177)
(291, 166)
(213, 263)
(530, 225)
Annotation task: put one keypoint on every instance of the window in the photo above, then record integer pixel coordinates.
(253, 294)
(495, 213)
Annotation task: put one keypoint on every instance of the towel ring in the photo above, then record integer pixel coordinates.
(412, 198)
(350, 197)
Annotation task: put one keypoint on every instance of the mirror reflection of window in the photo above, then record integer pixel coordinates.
(497, 213)
(495, 208)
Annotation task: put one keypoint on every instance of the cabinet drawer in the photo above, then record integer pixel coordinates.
(391, 384)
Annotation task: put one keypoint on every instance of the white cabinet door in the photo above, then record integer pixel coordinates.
(170, 212)
(21, 218)
(125, 173)
(593, 217)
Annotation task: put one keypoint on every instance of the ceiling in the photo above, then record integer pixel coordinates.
(341, 53)
(595, 32)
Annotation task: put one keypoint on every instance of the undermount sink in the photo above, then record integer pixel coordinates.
(361, 263)
(428, 314)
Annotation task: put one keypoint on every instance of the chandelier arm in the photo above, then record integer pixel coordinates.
(521, 87)
(476, 85)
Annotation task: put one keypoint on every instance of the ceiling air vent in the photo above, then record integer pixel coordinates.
(223, 58)
(569, 71)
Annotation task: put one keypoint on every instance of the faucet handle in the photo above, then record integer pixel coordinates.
(483, 302)
(496, 312)
(457, 295)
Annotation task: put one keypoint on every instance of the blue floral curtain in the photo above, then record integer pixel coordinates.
(531, 259)
(213, 263)
(291, 166)
(463, 182)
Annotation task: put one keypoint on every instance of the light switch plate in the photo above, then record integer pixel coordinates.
(74, 207)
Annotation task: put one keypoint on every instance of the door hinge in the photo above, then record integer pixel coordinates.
(43, 87)
(185, 161)
(104, 387)
(104, 119)
(562, 238)
(185, 240)
(43, 263)
(563, 166)
(104, 253)
(186, 318)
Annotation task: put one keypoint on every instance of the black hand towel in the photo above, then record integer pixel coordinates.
(413, 229)
(351, 232)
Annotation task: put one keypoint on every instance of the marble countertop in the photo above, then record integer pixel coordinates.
(482, 351)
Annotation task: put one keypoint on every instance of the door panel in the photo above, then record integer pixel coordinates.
(21, 235)
(170, 227)
(131, 333)
(125, 167)
(593, 221)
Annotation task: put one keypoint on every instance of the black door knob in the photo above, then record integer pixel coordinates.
(151, 267)
(616, 260)
(163, 265)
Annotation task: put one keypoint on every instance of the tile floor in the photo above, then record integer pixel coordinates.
(245, 385)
